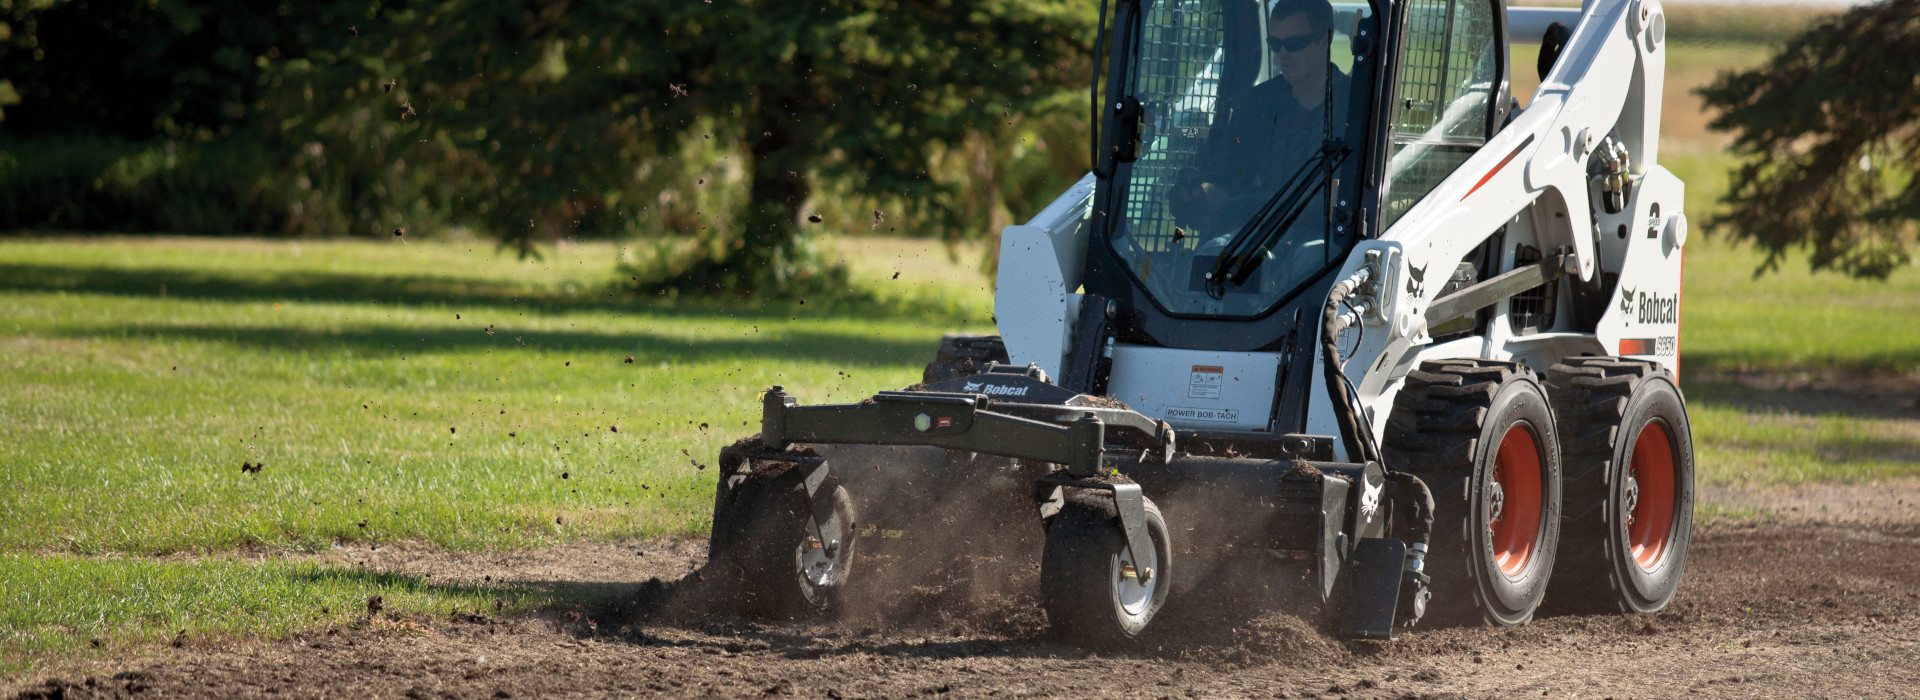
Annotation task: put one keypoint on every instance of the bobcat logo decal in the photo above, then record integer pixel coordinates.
(1417, 280)
(1626, 301)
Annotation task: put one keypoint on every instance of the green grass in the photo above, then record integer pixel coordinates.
(383, 408)
(139, 375)
(1794, 318)
(1746, 447)
(54, 605)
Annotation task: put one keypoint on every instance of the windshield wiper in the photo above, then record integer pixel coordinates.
(1242, 253)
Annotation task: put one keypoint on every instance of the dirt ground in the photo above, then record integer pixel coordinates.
(1811, 602)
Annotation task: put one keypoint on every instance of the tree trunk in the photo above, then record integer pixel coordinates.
(770, 255)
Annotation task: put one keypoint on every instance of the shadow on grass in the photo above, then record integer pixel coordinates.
(1900, 361)
(793, 344)
(1835, 389)
(447, 290)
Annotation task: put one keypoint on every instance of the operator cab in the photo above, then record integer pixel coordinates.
(1247, 145)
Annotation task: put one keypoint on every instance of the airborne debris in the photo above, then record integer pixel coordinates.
(629, 359)
(677, 90)
(375, 605)
(251, 468)
(388, 86)
(406, 110)
(353, 29)
(1179, 233)
(879, 217)
(814, 218)
(401, 231)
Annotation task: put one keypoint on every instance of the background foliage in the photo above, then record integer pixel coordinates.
(533, 121)
(1827, 133)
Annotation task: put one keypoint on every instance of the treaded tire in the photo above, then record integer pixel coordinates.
(1081, 586)
(1605, 405)
(964, 356)
(1481, 435)
(761, 529)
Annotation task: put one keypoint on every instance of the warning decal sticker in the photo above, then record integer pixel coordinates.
(1205, 382)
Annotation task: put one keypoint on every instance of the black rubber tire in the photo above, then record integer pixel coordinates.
(1447, 427)
(964, 356)
(760, 535)
(1079, 573)
(1603, 404)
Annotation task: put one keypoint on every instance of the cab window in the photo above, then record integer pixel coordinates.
(1448, 75)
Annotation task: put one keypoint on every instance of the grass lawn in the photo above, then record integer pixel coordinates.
(392, 392)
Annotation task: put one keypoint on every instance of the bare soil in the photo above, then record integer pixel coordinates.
(1800, 604)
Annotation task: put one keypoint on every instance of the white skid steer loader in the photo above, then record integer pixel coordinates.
(1330, 306)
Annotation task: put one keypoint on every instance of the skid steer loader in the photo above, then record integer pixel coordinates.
(1331, 305)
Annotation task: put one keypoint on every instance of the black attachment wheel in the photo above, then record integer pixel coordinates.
(1095, 592)
(1481, 435)
(1629, 459)
(771, 556)
(964, 356)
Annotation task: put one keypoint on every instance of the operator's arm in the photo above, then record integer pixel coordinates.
(1197, 188)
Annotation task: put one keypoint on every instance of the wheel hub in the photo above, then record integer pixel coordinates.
(1513, 501)
(1649, 495)
(1496, 501)
(1133, 579)
(818, 558)
(1632, 494)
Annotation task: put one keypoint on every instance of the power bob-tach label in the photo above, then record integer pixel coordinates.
(1208, 415)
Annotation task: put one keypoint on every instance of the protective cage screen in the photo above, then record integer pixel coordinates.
(1177, 77)
(1446, 77)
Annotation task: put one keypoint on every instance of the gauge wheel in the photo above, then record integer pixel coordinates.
(1629, 457)
(1097, 592)
(1481, 434)
(772, 557)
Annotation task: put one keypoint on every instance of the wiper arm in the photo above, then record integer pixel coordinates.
(1238, 260)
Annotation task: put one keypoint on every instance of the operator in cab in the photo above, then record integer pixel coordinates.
(1270, 129)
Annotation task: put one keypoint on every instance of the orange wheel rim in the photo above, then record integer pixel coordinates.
(1514, 512)
(1650, 495)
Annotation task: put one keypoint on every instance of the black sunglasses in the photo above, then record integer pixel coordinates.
(1293, 44)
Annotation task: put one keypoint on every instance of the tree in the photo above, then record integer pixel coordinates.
(864, 93)
(1829, 129)
(567, 111)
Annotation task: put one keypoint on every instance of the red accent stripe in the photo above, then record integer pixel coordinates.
(1496, 169)
(1636, 346)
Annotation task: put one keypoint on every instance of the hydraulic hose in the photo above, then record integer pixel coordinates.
(1346, 411)
(1354, 430)
(1410, 489)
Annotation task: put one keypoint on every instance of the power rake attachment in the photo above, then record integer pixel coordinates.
(1115, 495)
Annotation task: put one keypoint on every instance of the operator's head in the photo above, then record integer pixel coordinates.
(1297, 35)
